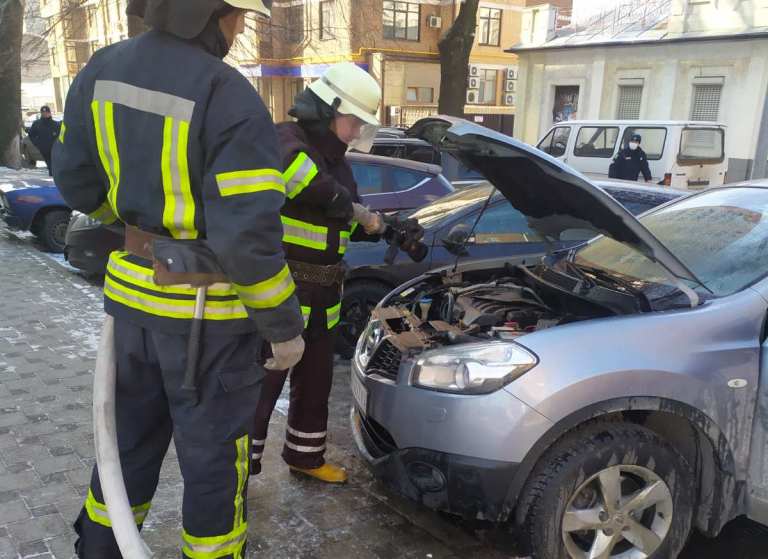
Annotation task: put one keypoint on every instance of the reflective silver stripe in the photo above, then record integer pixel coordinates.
(268, 294)
(300, 176)
(147, 100)
(302, 434)
(349, 99)
(292, 231)
(333, 315)
(213, 548)
(302, 448)
(257, 455)
(222, 289)
(259, 442)
(343, 243)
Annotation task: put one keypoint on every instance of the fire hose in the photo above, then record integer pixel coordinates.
(107, 453)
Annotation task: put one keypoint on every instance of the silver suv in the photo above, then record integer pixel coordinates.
(605, 400)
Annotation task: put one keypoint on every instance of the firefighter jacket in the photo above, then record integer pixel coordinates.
(162, 135)
(315, 169)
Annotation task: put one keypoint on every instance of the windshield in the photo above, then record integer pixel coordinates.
(720, 235)
(448, 206)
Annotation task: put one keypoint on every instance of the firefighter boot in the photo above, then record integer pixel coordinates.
(327, 473)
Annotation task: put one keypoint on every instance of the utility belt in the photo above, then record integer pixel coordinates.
(173, 261)
(325, 276)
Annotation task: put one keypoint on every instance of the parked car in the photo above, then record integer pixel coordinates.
(682, 154)
(501, 231)
(417, 149)
(37, 206)
(385, 184)
(605, 399)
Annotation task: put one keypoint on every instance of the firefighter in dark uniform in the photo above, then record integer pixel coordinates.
(161, 134)
(631, 161)
(321, 216)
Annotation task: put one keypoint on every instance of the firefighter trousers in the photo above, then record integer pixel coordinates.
(307, 428)
(211, 438)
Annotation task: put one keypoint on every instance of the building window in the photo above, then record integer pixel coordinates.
(326, 21)
(295, 28)
(401, 20)
(630, 97)
(487, 82)
(490, 26)
(706, 102)
(420, 95)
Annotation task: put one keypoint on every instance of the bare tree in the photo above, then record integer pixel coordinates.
(455, 48)
(11, 28)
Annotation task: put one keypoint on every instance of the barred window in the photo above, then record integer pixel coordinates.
(706, 102)
(630, 97)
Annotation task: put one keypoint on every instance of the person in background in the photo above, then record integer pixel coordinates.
(43, 133)
(631, 161)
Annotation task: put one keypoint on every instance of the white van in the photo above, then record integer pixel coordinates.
(681, 154)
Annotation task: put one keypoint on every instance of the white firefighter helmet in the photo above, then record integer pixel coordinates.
(358, 92)
(264, 7)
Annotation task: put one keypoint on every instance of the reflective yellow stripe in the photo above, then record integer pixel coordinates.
(343, 241)
(333, 315)
(179, 206)
(270, 293)
(63, 132)
(242, 467)
(304, 234)
(104, 214)
(305, 313)
(247, 182)
(299, 174)
(97, 511)
(354, 226)
(106, 143)
(144, 277)
(171, 308)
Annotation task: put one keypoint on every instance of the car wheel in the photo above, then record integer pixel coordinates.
(54, 230)
(609, 491)
(358, 301)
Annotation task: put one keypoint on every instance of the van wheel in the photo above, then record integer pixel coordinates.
(609, 491)
(54, 230)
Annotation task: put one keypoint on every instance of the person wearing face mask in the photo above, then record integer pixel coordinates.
(631, 161)
(43, 134)
(322, 214)
(160, 133)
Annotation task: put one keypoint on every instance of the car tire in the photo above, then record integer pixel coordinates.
(359, 299)
(53, 230)
(608, 459)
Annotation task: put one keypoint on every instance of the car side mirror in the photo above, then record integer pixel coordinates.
(457, 239)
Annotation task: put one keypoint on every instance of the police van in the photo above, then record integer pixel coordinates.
(682, 154)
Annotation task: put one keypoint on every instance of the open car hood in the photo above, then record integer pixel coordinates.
(553, 197)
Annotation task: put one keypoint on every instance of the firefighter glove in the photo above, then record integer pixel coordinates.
(371, 222)
(285, 354)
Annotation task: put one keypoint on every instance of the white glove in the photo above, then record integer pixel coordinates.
(285, 354)
(372, 222)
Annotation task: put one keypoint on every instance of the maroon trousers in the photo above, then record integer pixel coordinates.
(307, 428)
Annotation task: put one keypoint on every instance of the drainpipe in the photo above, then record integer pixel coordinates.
(761, 151)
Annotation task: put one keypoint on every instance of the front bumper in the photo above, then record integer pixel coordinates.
(10, 219)
(472, 488)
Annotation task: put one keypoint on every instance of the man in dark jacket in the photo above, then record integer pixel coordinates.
(321, 216)
(160, 133)
(43, 133)
(631, 161)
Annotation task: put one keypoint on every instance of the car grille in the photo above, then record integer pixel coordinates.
(378, 440)
(385, 361)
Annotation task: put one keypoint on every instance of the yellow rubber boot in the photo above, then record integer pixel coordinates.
(327, 473)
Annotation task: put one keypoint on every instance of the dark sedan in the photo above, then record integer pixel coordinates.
(501, 231)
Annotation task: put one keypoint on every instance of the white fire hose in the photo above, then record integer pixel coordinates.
(107, 454)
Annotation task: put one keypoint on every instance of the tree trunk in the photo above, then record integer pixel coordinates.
(455, 47)
(11, 26)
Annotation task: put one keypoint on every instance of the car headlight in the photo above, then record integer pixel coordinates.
(478, 368)
(368, 343)
(80, 222)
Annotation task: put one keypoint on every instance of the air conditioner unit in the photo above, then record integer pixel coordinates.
(474, 70)
(474, 83)
(435, 22)
(511, 73)
(510, 86)
(509, 99)
(473, 97)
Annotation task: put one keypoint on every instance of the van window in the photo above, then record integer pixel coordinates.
(596, 141)
(701, 145)
(556, 141)
(653, 140)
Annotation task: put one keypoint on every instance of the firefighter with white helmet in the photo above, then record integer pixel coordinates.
(322, 214)
(161, 134)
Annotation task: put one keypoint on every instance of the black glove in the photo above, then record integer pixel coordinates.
(405, 235)
(340, 206)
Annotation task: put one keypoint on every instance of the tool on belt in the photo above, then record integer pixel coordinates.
(181, 262)
(325, 276)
